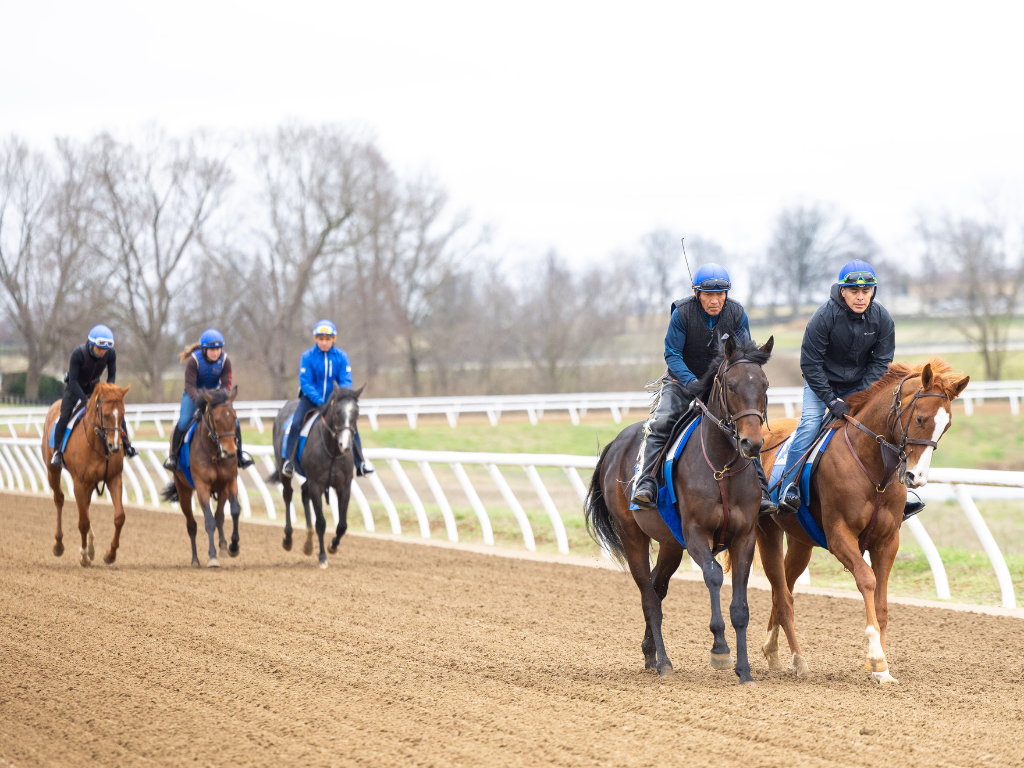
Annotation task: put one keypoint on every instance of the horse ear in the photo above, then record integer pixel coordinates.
(729, 345)
(927, 377)
(769, 345)
(959, 387)
(233, 395)
(360, 391)
(207, 395)
(124, 390)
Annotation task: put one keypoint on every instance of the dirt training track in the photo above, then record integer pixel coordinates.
(411, 655)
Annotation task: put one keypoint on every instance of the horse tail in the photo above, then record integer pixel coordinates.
(275, 476)
(600, 524)
(170, 493)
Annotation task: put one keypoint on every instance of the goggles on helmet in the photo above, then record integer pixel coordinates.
(102, 342)
(859, 278)
(714, 284)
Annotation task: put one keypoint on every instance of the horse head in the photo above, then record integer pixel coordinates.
(341, 413)
(105, 411)
(744, 391)
(219, 417)
(929, 415)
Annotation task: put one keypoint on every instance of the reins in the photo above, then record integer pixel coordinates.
(101, 432)
(213, 434)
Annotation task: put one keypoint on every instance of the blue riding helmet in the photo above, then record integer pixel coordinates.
(857, 272)
(101, 336)
(711, 278)
(325, 328)
(211, 338)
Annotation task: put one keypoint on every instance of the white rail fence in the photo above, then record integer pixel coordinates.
(576, 405)
(22, 468)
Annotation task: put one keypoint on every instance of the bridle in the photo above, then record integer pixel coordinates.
(101, 428)
(894, 457)
(728, 425)
(325, 421)
(213, 434)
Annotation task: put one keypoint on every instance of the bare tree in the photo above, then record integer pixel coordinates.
(313, 181)
(45, 219)
(808, 247)
(988, 288)
(154, 204)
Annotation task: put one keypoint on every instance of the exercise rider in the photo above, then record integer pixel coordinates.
(848, 346)
(84, 370)
(697, 326)
(207, 366)
(321, 366)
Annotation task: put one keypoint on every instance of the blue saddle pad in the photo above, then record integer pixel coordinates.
(183, 454)
(307, 425)
(75, 418)
(803, 515)
(667, 493)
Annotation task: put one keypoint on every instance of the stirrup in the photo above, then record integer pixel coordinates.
(171, 464)
(911, 508)
(287, 469)
(129, 451)
(57, 460)
(646, 501)
(244, 460)
(786, 502)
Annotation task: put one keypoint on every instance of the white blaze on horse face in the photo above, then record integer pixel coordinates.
(117, 427)
(345, 438)
(920, 469)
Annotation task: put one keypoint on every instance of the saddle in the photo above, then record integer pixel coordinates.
(807, 469)
(76, 416)
(307, 424)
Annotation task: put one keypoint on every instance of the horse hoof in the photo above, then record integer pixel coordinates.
(721, 661)
(222, 544)
(883, 678)
(323, 564)
(109, 558)
(85, 561)
(213, 562)
(800, 666)
(333, 548)
(307, 548)
(749, 683)
(287, 543)
(651, 663)
(666, 671)
(875, 665)
(58, 549)
(233, 550)
(196, 564)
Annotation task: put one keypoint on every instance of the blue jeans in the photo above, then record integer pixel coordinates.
(188, 410)
(811, 414)
(304, 407)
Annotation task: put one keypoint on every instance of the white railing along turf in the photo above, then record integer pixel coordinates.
(22, 468)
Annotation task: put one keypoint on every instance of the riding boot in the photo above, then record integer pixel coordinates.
(171, 464)
(768, 506)
(671, 404)
(911, 508)
(244, 459)
(363, 465)
(57, 459)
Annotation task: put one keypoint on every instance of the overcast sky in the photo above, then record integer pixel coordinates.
(573, 126)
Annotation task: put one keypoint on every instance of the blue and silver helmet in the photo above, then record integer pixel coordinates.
(712, 277)
(211, 338)
(325, 328)
(101, 336)
(857, 272)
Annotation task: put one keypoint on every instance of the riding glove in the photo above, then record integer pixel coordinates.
(838, 408)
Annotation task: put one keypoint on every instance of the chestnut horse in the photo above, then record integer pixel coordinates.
(93, 458)
(713, 468)
(857, 497)
(213, 463)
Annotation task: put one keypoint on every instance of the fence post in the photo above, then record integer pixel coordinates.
(549, 507)
(474, 502)
(441, 499)
(513, 503)
(991, 548)
(938, 569)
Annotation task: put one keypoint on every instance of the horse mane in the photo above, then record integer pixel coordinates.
(338, 394)
(746, 349)
(945, 378)
(103, 389)
(187, 351)
(220, 396)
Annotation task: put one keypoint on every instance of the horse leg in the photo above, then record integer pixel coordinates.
(321, 524)
(219, 517)
(344, 496)
(286, 494)
(83, 496)
(185, 500)
(307, 548)
(883, 555)
(58, 500)
(714, 577)
(741, 554)
(798, 555)
(769, 542)
(117, 496)
(236, 512)
(846, 549)
(210, 523)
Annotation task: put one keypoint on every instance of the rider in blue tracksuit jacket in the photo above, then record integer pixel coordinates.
(321, 366)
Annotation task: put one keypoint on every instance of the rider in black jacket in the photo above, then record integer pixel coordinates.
(84, 371)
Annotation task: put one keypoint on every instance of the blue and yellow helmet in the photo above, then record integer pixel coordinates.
(211, 338)
(711, 278)
(325, 328)
(857, 272)
(101, 336)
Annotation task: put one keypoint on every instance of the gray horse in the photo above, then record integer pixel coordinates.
(327, 462)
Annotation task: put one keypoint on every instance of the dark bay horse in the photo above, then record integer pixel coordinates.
(714, 468)
(93, 458)
(857, 496)
(327, 462)
(213, 462)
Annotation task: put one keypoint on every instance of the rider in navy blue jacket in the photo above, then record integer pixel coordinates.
(322, 366)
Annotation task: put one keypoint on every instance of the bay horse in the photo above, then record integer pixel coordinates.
(857, 497)
(327, 462)
(93, 458)
(718, 497)
(213, 462)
